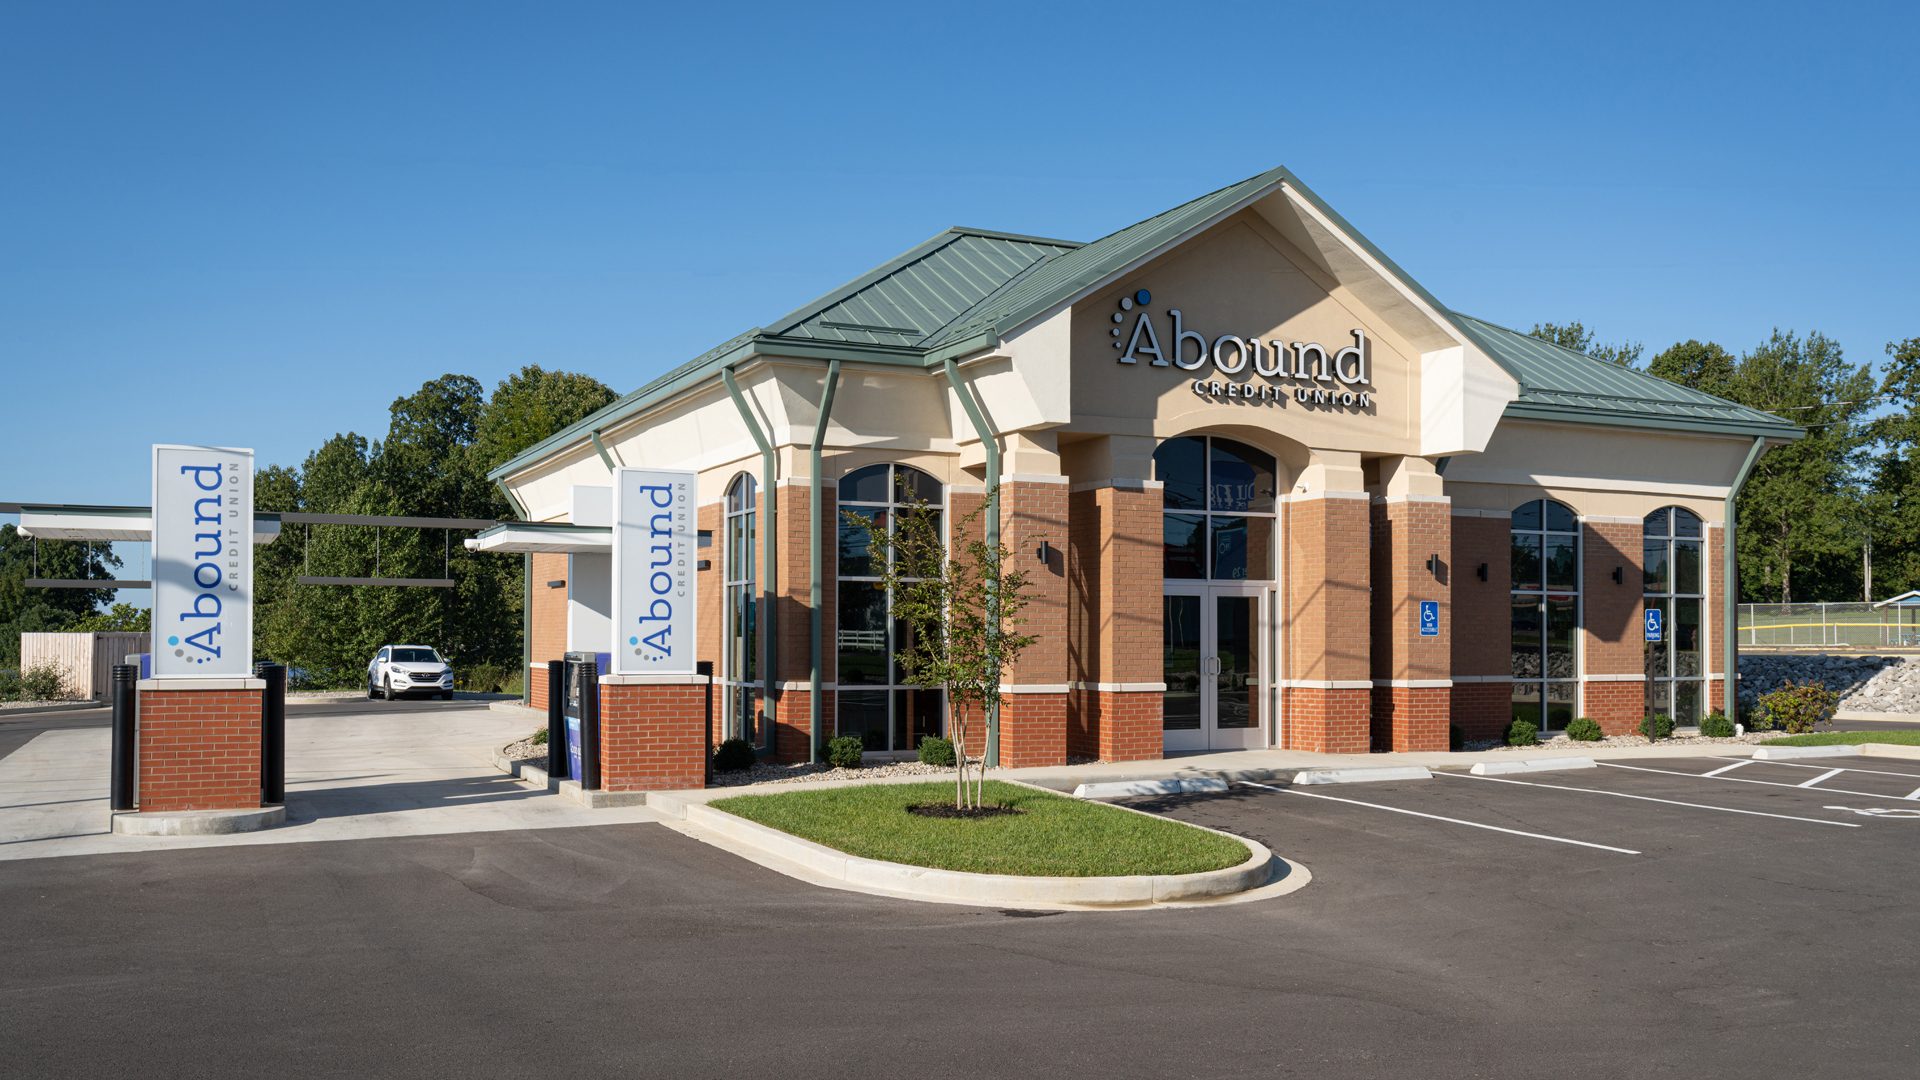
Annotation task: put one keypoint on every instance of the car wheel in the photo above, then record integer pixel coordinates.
(446, 695)
(386, 689)
(370, 692)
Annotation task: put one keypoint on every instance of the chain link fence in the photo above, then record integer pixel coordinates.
(1828, 626)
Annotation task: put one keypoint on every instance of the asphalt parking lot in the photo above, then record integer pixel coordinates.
(1644, 922)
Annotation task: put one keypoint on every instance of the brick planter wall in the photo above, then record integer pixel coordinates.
(651, 736)
(199, 748)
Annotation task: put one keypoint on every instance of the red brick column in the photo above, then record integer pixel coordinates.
(1482, 696)
(651, 736)
(1033, 711)
(547, 622)
(1329, 678)
(1613, 637)
(1412, 693)
(1114, 661)
(199, 744)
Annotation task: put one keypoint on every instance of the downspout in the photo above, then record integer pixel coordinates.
(769, 638)
(814, 629)
(992, 446)
(1731, 634)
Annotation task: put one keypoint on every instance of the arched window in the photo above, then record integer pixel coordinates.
(742, 625)
(873, 701)
(1674, 545)
(1219, 503)
(1546, 613)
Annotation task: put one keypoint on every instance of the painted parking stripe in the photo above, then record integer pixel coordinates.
(1828, 775)
(1744, 780)
(1649, 798)
(1437, 817)
(1842, 768)
(1915, 795)
(1729, 768)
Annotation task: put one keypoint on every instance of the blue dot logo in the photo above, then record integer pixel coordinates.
(633, 641)
(1143, 298)
(174, 640)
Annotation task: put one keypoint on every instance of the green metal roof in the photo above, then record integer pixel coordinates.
(1558, 383)
(954, 294)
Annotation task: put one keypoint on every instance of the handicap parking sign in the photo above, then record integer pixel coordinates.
(1429, 618)
(1653, 624)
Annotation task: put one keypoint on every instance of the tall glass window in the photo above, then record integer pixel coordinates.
(1675, 546)
(742, 625)
(1546, 613)
(1219, 503)
(874, 703)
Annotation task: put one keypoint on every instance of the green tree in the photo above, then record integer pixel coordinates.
(27, 610)
(532, 404)
(1893, 478)
(1701, 365)
(122, 617)
(960, 610)
(1578, 338)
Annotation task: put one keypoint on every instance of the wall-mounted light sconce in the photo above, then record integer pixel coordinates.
(704, 564)
(1433, 565)
(560, 584)
(1619, 575)
(1483, 571)
(1044, 552)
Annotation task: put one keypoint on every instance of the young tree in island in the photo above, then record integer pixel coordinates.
(960, 608)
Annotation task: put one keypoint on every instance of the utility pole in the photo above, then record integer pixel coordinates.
(1866, 560)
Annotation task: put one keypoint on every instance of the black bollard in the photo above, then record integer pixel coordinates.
(126, 705)
(557, 719)
(273, 732)
(705, 668)
(589, 675)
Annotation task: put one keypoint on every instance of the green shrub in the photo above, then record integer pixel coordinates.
(844, 752)
(1796, 708)
(483, 678)
(539, 737)
(1656, 727)
(1584, 729)
(1716, 725)
(733, 755)
(9, 684)
(42, 682)
(1523, 733)
(935, 750)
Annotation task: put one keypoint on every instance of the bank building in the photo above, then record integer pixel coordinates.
(1269, 492)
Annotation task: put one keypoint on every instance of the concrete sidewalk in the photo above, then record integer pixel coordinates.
(349, 776)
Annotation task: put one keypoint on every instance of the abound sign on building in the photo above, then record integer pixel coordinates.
(202, 561)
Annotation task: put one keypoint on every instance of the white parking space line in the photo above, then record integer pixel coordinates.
(1649, 798)
(1729, 768)
(1915, 795)
(1841, 768)
(1744, 780)
(1437, 817)
(1828, 775)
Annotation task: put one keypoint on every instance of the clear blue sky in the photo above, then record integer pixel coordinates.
(256, 224)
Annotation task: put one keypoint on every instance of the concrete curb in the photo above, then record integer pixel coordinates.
(57, 706)
(1308, 777)
(198, 822)
(1890, 750)
(1780, 753)
(1124, 789)
(1263, 872)
(592, 800)
(1547, 764)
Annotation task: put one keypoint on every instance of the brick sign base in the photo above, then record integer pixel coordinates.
(199, 744)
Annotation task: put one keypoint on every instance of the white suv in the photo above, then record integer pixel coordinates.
(408, 669)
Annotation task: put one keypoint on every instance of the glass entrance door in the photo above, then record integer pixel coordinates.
(1215, 641)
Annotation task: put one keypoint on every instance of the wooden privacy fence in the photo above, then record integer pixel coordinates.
(85, 660)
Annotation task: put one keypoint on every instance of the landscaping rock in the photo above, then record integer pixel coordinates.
(1866, 683)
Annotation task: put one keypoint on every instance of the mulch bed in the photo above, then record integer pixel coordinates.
(948, 810)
